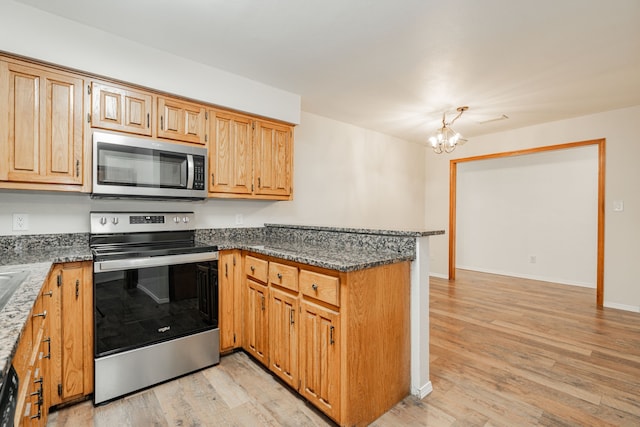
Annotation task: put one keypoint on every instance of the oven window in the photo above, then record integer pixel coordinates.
(140, 167)
(138, 307)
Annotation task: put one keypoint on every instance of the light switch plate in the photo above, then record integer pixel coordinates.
(20, 222)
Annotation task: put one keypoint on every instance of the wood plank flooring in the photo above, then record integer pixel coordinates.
(504, 352)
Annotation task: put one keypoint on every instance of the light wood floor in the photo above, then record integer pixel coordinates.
(504, 352)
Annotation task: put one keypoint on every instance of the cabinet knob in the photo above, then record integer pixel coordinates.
(253, 268)
(314, 287)
(280, 276)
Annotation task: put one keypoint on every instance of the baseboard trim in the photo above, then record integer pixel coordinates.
(624, 307)
(528, 276)
(438, 275)
(423, 391)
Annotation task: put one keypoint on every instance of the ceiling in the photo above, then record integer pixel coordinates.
(396, 66)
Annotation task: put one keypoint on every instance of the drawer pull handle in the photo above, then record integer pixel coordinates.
(43, 314)
(226, 270)
(314, 287)
(48, 294)
(48, 341)
(77, 288)
(331, 341)
(291, 317)
(279, 276)
(262, 302)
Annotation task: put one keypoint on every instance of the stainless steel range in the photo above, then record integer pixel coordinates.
(155, 300)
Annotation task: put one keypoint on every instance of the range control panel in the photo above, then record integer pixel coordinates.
(133, 222)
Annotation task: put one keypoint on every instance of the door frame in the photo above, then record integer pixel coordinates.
(453, 174)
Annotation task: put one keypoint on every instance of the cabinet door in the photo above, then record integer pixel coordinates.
(72, 333)
(228, 300)
(43, 136)
(320, 357)
(181, 121)
(256, 332)
(230, 154)
(283, 336)
(121, 109)
(273, 159)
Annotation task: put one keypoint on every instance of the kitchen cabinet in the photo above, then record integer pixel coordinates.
(320, 357)
(229, 280)
(256, 319)
(283, 335)
(230, 154)
(31, 362)
(340, 339)
(255, 336)
(273, 156)
(249, 158)
(181, 120)
(120, 108)
(41, 128)
(71, 373)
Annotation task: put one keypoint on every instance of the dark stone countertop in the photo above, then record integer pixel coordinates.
(330, 258)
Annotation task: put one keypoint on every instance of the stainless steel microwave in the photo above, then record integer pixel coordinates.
(129, 167)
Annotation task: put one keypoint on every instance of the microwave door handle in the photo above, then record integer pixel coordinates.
(190, 171)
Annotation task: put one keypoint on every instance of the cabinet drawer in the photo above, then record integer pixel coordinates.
(283, 275)
(320, 286)
(256, 268)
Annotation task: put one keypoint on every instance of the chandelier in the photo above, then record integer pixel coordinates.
(446, 139)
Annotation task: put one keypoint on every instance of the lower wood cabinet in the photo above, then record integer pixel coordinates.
(255, 320)
(320, 357)
(283, 335)
(31, 362)
(342, 340)
(54, 358)
(71, 374)
(230, 298)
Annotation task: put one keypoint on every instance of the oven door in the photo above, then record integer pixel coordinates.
(143, 301)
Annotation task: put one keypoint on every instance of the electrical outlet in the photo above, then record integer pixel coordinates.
(20, 222)
(239, 219)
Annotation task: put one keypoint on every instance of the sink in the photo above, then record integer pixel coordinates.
(9, 282)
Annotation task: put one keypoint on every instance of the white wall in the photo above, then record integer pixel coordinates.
(542, 205)
(622, 229)
(343, 176)
(36, 34)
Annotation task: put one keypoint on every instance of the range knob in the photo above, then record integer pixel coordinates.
(115, 220)
(176, 219)
(185, 219)
(103, 220)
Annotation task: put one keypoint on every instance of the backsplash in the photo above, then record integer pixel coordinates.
(31, 242)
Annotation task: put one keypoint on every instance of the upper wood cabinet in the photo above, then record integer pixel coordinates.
(249, 158)
(120, 108)
(181, 121)
(230, 154)
(273, 159)
(41, 126)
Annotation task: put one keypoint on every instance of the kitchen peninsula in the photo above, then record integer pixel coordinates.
(353, 275)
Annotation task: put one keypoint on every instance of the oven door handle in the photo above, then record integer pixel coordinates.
(158, 261)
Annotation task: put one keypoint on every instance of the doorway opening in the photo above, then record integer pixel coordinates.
(600, 143)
